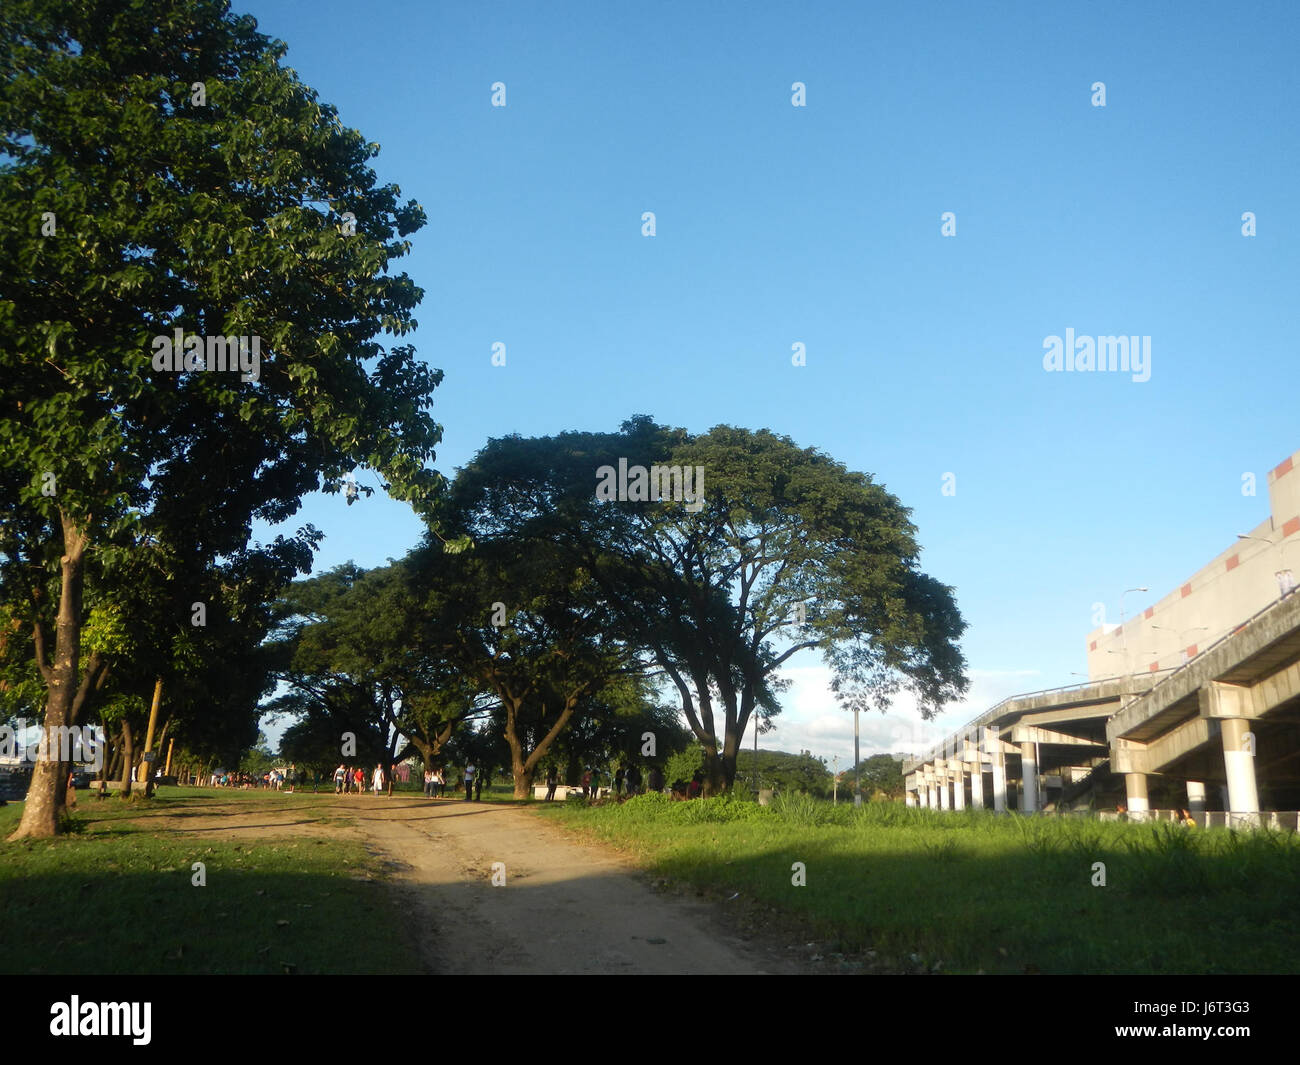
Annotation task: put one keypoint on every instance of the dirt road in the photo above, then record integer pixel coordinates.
(564, 907)
(561, 907)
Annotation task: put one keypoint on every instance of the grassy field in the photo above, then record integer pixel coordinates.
(117, 897)
(953, 892)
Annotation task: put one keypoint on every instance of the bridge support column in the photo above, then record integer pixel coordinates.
(977, 786)
(959, 787)
(999, 783)
(910, 798)
(1196, 800)
(1239, 761)
(1029, 778)
(931, 799)
(1136, 785)
(943, 789)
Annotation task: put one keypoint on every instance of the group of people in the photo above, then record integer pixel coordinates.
(628, 782)
(435, 783)
(349, 780)
(270, 780)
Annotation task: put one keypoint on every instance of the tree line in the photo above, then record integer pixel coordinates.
(162, 171)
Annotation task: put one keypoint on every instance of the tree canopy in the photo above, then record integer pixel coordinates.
(195, 298)
(781, 550)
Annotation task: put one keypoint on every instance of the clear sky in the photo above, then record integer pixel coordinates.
(821, 225)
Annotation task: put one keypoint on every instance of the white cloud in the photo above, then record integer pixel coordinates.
(812, 720)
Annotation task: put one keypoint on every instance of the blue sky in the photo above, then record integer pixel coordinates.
(820, 225)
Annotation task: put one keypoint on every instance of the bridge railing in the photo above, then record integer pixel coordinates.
(992, 711)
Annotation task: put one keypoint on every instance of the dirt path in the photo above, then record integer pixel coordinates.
(565, 907)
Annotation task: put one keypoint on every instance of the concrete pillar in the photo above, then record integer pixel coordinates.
(1029, 777)
(977, 786)
(943, 789)
(1136, 785)
(1239, 761)
(1196, 800)
(999, 783)
(932, 797)
(958, 787)
(910, 798)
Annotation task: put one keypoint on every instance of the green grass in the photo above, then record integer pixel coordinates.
(973, 891)
(116, 896)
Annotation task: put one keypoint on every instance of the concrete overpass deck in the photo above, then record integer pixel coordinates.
(1230, 717)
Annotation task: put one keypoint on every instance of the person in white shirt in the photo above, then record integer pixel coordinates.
(377, 781)
(469, 783)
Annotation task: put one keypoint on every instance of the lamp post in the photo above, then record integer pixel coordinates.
(1179, 635)
(857, 762)
(1288, 585)
(1283, 543)
(1140, 588)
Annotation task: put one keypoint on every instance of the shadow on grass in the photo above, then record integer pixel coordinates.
(972, 894)
(120, 902)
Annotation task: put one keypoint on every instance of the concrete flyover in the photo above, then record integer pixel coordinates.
(1189, 703)
(1230, 717)
(1027, 752)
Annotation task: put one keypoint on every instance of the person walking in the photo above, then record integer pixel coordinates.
(359, 781)
(633, 780)
(478, 784)
(618, 780)
(377, 780)
(469, 782)
(339, 775)
(655, 781)
(439, 783)
(552, 781)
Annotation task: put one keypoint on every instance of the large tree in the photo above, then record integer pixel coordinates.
(780, 550)
(519, 620)
(357, 658)
(163, 177)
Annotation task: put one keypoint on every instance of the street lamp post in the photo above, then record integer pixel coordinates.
(1179, 635)
(1122, 625)
(1284, 543)
(857, 763)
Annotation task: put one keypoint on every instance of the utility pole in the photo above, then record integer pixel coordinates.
(149, 756)
(857, 763)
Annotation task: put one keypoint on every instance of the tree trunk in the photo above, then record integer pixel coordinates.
(128, 758)
(148, 738)
(113, 765)
(40, 818)
(523, 775)
(522, 768)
